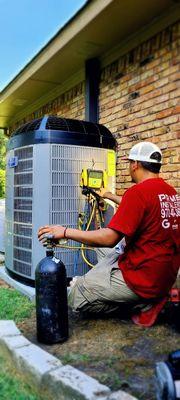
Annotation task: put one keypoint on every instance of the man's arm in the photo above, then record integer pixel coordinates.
(113, 197)
(104, 237)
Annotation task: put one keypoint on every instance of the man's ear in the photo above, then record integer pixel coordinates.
(139, 165)
(135, 165)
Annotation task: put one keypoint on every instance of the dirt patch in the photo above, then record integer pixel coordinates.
(1, 258)
(114, 351)
(3, 284)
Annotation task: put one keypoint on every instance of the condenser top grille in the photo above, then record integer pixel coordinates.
(57, 124)
(53, 129)
(73, 125)
(29, 126)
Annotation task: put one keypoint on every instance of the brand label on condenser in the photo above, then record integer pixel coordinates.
(13, 162)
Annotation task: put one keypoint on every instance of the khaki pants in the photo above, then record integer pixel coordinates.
(103, 288)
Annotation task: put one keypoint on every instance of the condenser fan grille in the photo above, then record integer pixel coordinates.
(77, 126)
(55, 123)
(58, 124)
(29, 126)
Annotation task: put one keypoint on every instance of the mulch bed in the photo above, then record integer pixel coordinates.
(115, 351)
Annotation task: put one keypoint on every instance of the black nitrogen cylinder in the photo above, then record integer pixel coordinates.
(51, 300)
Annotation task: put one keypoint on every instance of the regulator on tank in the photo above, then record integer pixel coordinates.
(51, 298)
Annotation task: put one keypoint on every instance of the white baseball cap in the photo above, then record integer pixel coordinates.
(143, 151)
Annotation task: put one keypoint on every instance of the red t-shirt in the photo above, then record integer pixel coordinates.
(148, 216)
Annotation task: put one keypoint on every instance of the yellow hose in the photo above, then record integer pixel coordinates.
(82, 246)
(63, 246)
(85, 259)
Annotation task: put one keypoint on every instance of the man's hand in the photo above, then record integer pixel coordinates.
(57, 232)
(107, 195)
(110, 196)
(104, 237)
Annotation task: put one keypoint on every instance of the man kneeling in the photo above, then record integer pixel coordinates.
(147, 218)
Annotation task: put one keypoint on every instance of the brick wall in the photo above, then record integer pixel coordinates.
(139, 101)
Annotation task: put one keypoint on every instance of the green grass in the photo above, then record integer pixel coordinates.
(17, 307)
(76, 358)
(13, 305)
(12, 386)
